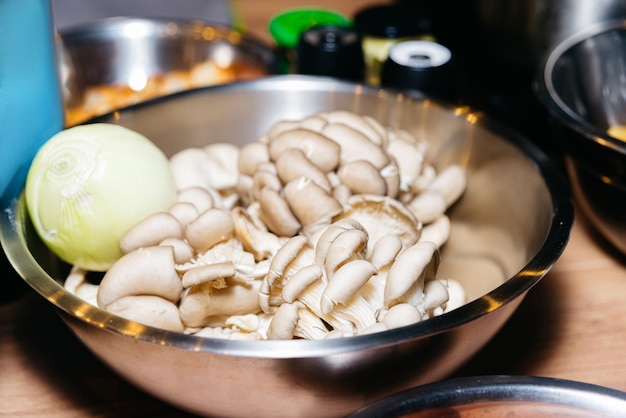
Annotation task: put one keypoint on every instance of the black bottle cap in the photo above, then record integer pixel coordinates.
(421, 65)
(330, 51)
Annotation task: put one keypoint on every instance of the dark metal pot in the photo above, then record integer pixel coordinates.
(523, 30)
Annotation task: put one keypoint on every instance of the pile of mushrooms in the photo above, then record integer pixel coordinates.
(329, 226)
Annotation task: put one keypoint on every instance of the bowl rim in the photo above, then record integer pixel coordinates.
(546, 92)
(14, 212)
(505, 388)
(77, 33)
(112, 24)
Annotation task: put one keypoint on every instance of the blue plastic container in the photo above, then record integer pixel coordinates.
(31, 105)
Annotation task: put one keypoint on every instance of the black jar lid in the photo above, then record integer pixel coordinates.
(420, 65)
(330, 51)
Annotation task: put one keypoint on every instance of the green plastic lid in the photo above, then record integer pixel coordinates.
(287, 27)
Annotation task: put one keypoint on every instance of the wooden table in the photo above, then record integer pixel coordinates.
(572, 325)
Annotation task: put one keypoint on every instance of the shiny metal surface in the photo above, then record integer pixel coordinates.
(523, 30)
(508, 230)
(125, 51)
(582, 85)
(500, 396)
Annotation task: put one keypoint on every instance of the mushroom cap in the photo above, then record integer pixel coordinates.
(203, 302)
(151, 231)
(319, 149)
(309, 202)
(362, 178)
(412, 268)
(277, 215)
(209, 228)
(149, 310)
(144, 271)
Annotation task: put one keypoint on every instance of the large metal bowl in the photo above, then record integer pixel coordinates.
(119, 61)
(500, 396)
(582, 84)
(508, 230)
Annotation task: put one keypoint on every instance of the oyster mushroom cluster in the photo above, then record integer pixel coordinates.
(329, 226)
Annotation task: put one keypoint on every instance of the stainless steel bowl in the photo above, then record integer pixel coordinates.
(582, 84)
(500, 396)
(522, 31)
(509, 228)
(118, 61)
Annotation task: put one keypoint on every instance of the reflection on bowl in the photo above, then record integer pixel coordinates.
(582, 85)
(509, 228)
(116, 62)
(500, 396)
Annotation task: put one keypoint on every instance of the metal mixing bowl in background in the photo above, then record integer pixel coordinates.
(522, 31)
(508, 229)
(583, 86)
(500, 396)
(119, 61)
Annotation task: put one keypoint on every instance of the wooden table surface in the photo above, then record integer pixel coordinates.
(572, 325)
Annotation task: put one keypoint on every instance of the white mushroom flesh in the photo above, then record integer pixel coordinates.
(325, 227)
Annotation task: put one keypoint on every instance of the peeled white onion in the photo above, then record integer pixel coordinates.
(90, 184)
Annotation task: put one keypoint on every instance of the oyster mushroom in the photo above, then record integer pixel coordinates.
(282, 268)
(380, 216)
(371, 129)
(363, 178)
(211, 167)
(144, 271)
(444, 190)
(456, 295)
(296, 320)
(208, 273)
(342, 310)
(184, 212)
(311, 204)
(151, 231)
(355, 146)
(251, 156)
(209, 228)
(300, 281)
(253, 234)
(408, 155)
(265, 178)
(293, 164)
(284, 322)
(385, 250)
(347, 246)
(438, 231)
(248, 327)
(411, 269)
(277, 214)
(222, 165)
(182, 250)
(282, 126)
(401, 315)
(325, 227)
(188, 168)
(77, 283)
(323, 152)
(199, 197)
(149, 310)
(214, 300)
(345, 284)
(330, 234)
(315, 123)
